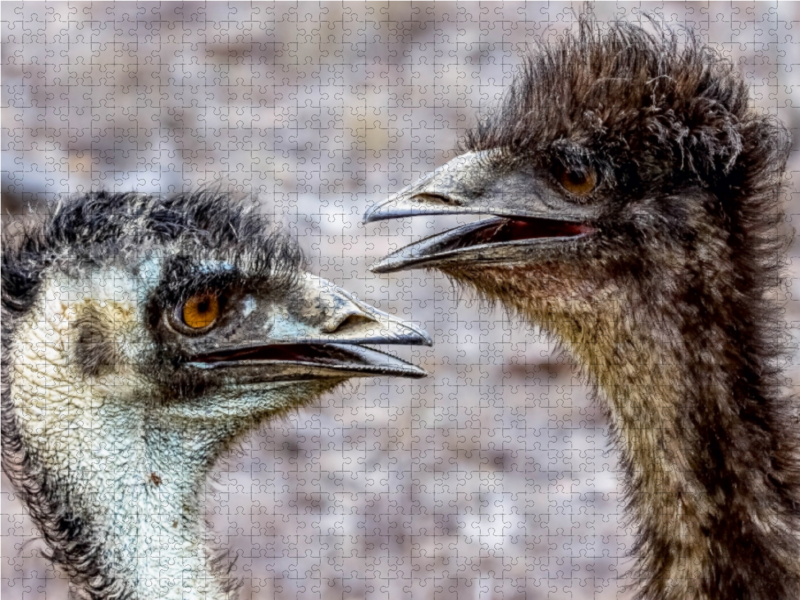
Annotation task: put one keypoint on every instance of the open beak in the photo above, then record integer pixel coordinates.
(530, 217)
(321, 332)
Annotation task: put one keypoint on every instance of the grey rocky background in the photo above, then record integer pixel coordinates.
(493, 478)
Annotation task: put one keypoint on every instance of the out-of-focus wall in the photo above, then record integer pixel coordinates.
(493, 478)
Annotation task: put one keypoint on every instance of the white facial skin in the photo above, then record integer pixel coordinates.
(134, 462)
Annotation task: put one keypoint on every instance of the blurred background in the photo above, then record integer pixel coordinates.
(493, 478)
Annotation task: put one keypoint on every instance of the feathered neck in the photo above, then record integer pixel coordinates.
(708, 444)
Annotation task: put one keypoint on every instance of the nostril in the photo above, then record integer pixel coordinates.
(434, 198)
(351, 321)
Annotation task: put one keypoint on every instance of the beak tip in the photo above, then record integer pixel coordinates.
(425, 340)
(377, 268)
(418, 373)
(384, 265)
(417, 336)
(375, 212)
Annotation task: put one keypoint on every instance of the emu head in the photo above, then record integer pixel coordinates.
(623, 169)
(185, 308)
(634, 197)
(141, 337)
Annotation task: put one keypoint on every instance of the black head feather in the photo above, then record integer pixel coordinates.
(668, 96)
(101, 227)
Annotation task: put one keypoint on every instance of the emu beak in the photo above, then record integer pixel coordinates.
(319, 333)
(531, 217)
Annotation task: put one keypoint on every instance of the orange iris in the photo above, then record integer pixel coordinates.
(578, 182)
(201, 310)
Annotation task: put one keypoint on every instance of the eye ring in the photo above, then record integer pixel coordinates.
(199, 313)
(578, 181)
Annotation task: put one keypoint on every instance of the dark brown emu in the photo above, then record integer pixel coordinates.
(141, 337)
(635, 201)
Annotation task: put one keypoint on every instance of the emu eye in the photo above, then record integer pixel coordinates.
(201, 310)
(577, 181)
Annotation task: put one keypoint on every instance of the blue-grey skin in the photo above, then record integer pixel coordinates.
(115, 409)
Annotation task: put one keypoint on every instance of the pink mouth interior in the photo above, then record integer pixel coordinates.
(515, 229)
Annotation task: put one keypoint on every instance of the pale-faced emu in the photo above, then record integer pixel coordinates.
(141, 337)
(635, 195)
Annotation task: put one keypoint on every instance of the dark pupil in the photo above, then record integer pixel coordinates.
(576, 177)
(203, 306)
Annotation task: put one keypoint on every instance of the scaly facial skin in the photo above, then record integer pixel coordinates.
(127, 406)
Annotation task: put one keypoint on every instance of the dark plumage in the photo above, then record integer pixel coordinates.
(101, 224)
(638, 202)
(141, 337)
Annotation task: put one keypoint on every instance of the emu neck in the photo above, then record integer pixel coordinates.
(122, 479)
(139, 492)
(708, 451)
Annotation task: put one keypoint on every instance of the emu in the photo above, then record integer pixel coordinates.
(634, 196)
(143, 336)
